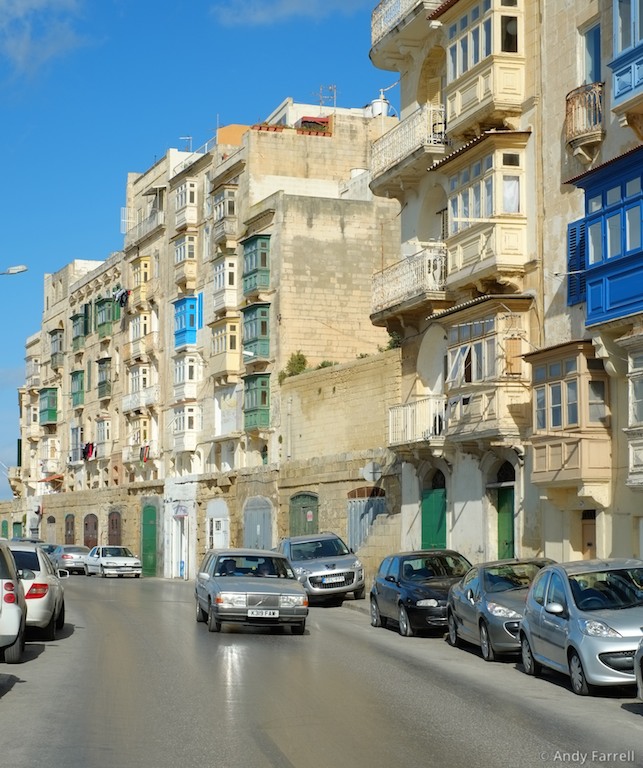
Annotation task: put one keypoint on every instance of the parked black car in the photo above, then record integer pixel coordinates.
(411, 589)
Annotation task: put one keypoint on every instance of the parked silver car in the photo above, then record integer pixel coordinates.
(13, 608)
(249, 587)
(485, 607)
(585, 620)
(638, 668)
(327, 568)
(44, 591)
(69, 556)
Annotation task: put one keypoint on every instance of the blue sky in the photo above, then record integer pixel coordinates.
(93, 89)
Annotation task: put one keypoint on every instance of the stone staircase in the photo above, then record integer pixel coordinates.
(384, 539)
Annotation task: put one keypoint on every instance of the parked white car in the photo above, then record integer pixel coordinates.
(13, 608)
(44, 591)
(112, 561)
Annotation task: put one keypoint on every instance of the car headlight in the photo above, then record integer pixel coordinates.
(502, 612)
(231, 600)
(301, 573)
(110, 564)
(357, 564)
(429, 602)
(292, 601)
(595, 628)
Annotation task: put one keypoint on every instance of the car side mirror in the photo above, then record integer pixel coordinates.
(469, 595)
(557, 609)
(204, 576)
(390, 578)
(62, 573)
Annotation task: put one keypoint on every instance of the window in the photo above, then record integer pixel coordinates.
(224, 203)
(139, 326)
(185, 369)
(185, 194)
(472, 352)
(256, 254)
(592, 54)
(224, 275)
(104, 371)
(256, 323)
(56, 341)
(256, 392)
(224, 338)
(103, 431)
(187, 419)
(139, 378)
(628, 24)
(597, 405)
(470, 38)
(184, 249)
(635, 375)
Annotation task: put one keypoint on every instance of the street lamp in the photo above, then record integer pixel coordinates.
(14, 270)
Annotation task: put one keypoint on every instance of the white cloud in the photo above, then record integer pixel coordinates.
(33, 32)
(265, 12)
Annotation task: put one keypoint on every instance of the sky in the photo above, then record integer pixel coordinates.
(91, 90)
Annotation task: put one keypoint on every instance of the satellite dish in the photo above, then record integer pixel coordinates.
(371, 472)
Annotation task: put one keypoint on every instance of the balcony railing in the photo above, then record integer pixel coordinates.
(389, 13)
(584, 115)
(423, 420)
(423, 272)
(141, 230)
(425, 128)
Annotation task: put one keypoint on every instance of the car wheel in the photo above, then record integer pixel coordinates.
(452, 633)
(488, 653)
(213, 624)
(358, 594)
(50, 630)
(13, 654)
(102, 573)
(403, 623)
(60, 621)
(529, 664)
(201, 615)
(580, 685)
(376, 618)
(298, 629)
(87, 572)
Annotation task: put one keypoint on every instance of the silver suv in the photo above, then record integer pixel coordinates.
(327, 568)
(13, 608)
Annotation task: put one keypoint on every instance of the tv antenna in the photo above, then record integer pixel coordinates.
(329, 97)
(188, 142)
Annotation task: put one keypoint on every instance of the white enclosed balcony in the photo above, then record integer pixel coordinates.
(412, 280)
(144, 398)
(420, 421)
(403, 153)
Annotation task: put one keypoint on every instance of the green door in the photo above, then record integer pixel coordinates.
(505, 523)
(148, 540)
(434, 518)
(304, 508)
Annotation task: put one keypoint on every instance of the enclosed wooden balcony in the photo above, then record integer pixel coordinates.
(421, 421)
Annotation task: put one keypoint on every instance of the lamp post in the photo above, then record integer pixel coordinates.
(14, 270)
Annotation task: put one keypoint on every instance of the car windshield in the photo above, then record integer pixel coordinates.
(310, 550)
(423, 568)
(596, 590)
(116, 552)
(263, 566)
(501, 578)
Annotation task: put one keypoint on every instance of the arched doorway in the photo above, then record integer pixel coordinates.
(51, 529)
(114, 531)
(434, 513)
(90, 533)
(303, 514)
(70, 529)
(364, 505)
(257, 523)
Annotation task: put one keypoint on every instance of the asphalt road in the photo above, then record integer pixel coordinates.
(134, 682)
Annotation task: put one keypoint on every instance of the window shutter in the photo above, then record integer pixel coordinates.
(576, 262)
(513, 359)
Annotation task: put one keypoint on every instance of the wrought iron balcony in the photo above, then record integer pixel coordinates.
(584, 121)
(144, 228)
(412, 278)
(408, 143)
(420, 421)
(389, 13)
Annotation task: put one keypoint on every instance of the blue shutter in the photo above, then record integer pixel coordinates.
(576, 262)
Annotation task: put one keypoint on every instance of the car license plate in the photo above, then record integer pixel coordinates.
(332, 579)
(262, 613)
